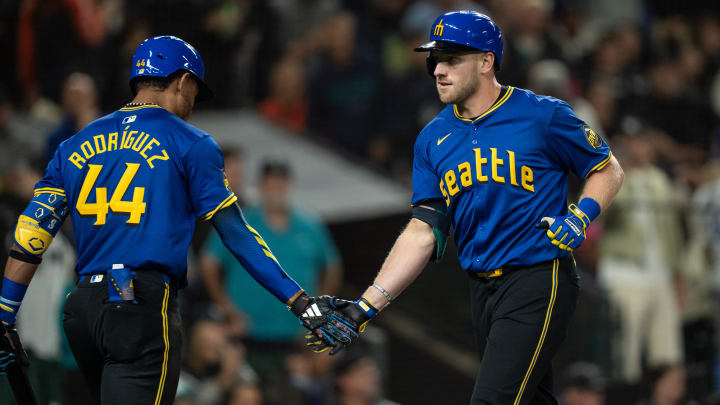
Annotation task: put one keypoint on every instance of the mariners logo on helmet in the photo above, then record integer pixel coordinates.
(438, 29)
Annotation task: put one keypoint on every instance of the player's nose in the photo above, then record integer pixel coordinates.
(440, 69)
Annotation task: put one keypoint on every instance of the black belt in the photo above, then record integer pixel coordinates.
(507, 269)
(168, 278)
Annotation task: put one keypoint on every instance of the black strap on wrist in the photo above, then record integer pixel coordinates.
(24, 257)
(299, 305)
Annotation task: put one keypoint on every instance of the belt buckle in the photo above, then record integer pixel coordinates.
(491, 274)
(496, 273)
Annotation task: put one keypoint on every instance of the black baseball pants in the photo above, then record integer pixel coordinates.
(128, 353)
(520, 319)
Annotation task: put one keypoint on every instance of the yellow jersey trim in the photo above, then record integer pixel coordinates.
(7, 308)
(163, 373)
(140, 107)
(49, 190)
(493, 108)
(600, 165)
(45, 205)
(548, 315)
(225, 203)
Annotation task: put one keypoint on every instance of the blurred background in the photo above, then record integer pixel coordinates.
(317, 106)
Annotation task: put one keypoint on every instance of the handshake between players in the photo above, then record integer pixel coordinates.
(333, 322)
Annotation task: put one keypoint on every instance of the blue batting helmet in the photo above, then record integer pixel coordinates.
(164, 55)
(460, 30)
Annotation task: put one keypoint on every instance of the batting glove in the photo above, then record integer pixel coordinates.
(7, 359)
(353, 314)
(8, 347)
(566, 232)
(326, 325)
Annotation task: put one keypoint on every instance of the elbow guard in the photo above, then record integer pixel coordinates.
(41, 220)
(435, 216)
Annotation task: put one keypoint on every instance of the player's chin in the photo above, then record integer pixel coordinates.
(446, 96)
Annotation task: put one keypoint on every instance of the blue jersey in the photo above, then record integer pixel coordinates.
(501, 172)
(135, 180)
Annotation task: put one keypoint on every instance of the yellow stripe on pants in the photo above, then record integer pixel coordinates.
(158, 397)
(546, 325)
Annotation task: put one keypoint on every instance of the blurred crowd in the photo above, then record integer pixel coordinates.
(643, 74)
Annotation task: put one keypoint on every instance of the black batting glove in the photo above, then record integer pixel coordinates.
(9, 343)
(326, 325)
(353, 315)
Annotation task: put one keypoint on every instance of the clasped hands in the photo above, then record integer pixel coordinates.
(333, 323)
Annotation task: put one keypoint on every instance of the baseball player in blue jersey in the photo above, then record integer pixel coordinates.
(133, 183)
(493, 166)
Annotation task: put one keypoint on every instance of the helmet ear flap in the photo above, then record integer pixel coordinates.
(430, 64)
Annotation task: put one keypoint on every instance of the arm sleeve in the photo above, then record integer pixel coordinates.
(574, 145)
(207, 186)
(253, 253)
(214, 247)
(425, 182)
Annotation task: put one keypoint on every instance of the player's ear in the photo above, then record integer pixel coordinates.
(183, 81)
(487, 62)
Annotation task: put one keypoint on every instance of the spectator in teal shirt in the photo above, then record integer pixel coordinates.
(303, 246)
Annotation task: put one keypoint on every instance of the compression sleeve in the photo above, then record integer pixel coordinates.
(253, 253)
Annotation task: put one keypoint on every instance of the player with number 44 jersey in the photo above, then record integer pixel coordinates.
(133, 183)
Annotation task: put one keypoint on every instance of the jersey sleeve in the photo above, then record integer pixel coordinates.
(52, 180)
(207, 186)
(425, 182)
(574, 145)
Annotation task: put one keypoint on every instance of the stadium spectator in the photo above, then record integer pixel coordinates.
(551, 77)
(357, 380)
(22, 134)
(55, 38)
(305, 379)
(345, 86)
(701, 281)
(11, 145)
(245, 394)
(304, 247)
(528, 39)
(80, 107)
(572, 33)
(603, 100)
(214, 365)
(639, 262)
(667, 386)
(298, 20)
(584, 384)
(413, 100)
(38, 324)
(669, 107)
(287, 102)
